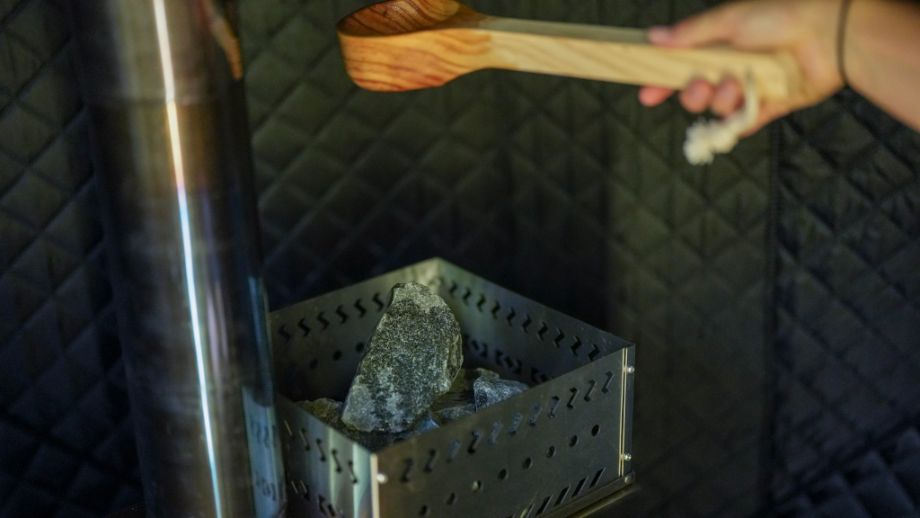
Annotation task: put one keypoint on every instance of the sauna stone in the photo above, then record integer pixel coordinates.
(414, 355)
(488, 391)
(330, 412)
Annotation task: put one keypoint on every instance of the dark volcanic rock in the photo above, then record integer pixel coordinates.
(425, 424)
(452, 413)
(461, 390)
(413, 357)
(481, 373)
(330, 412)
(458, 402)
(326, 410)
(474, 390)
(487, 391)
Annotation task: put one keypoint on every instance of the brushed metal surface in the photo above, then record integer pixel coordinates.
(172, 150)
(557, 447)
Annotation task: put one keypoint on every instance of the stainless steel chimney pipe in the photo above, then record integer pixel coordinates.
(162, 79)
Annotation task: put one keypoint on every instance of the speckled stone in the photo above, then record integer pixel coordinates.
(461, 390)
(330, 412)
(457, 403)
(487, 391)
(452, 413)
(425, 424)
(326, 410)
(413, 357)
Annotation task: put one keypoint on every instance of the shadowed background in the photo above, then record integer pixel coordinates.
(774, 295)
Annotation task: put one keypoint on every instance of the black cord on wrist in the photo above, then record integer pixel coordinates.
(841, 40)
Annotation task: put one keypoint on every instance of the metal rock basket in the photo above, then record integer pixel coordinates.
(557, 448)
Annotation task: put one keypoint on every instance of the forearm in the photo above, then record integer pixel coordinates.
(882, 55)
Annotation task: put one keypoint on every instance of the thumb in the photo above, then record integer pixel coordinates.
(712, 26)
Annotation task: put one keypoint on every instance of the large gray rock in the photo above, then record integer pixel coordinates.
(488, 391)
(414, 355)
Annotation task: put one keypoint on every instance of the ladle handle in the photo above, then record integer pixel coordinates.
(625, 56)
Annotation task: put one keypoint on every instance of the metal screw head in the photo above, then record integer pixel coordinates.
(382, 478)
(626, 457)
(629, 369)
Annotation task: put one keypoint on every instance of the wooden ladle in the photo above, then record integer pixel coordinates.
(410, 44)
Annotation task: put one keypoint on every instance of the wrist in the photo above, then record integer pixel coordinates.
(817, 42)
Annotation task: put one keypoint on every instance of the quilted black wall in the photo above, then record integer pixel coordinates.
(775, 295)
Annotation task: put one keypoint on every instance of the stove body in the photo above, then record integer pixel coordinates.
(557, 448)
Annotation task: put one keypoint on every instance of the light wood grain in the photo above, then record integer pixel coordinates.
(410, 44)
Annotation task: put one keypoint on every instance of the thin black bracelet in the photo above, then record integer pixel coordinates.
(841, 38)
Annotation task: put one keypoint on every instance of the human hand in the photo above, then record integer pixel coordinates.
(806, 29)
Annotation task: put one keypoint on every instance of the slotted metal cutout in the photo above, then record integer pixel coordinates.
(559, 443)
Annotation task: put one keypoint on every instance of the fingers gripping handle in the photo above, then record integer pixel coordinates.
(625, 56)
(706, 139)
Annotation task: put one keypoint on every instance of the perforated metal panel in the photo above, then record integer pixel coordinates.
(556, 448)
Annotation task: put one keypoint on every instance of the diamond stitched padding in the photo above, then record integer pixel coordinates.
(848, 289)
(881, 481)
(66, 442)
